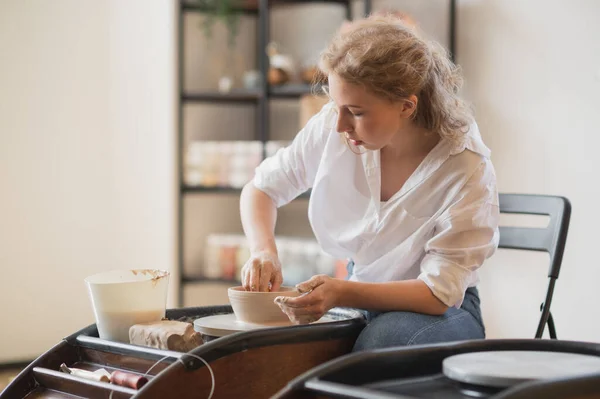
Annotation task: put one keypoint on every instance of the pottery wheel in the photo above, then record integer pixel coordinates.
(224, 324)
(508, 368)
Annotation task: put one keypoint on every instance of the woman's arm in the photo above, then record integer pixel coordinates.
(408, 295)
(262, 272)
(323, 292)
(279, 179)
(259, 214)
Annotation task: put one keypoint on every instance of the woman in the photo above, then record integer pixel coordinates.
(402, 185)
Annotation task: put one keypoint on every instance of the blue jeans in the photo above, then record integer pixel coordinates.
(388, 329)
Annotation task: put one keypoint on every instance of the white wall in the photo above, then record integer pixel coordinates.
(87, 130)
(533, 73)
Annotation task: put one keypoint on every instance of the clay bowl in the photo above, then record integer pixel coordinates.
(258, 307)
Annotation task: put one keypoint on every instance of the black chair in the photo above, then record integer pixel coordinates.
(550, 239)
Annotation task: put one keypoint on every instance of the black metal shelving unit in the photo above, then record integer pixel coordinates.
(260, 98)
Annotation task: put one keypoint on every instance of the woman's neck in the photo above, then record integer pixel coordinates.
(413, 141)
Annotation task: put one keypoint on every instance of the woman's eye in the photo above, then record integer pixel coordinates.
(357, 113)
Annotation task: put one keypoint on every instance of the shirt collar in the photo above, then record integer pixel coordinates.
(471, 141)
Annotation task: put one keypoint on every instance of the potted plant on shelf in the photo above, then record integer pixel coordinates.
(225, 11)
(228, 13)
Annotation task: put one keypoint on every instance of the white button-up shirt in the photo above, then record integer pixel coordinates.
(439, 227)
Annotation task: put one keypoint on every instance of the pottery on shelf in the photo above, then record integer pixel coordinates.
(258, 307)
(225, 84)
(281, 66)
(313, 74)
(277, 76)
(252, 79)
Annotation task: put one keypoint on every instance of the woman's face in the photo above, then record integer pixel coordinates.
(366, 119)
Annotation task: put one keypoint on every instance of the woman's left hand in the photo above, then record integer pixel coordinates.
(319, 294)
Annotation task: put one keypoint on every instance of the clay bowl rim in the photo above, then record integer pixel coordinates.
(240, 291)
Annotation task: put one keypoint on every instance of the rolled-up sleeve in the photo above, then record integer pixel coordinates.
(466, 234)
(292, 170)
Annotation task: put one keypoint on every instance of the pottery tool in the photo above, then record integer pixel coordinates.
(128, 380)
(117, 377)
(100, 375)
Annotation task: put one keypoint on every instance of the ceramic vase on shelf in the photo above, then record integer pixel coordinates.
(252, 79)
(225, 84)
(281, 66)
(227, 78)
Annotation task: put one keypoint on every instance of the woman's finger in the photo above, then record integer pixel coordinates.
(266, 270)
(298, 318)
(301, 301)
(303, 319)
(255, 275)
(245, 279)
(311, 284)
(313, 311)
(276, 281)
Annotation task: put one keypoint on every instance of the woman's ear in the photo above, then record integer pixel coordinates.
(409, 107)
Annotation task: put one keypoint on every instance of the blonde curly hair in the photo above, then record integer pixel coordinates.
(392, 60)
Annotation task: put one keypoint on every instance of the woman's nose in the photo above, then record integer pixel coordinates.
(343, 125)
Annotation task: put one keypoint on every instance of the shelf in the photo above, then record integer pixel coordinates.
(293, 90)
(194, 7)
(234, 96)
(201, 279)
(224, 190)
(204, 189)
(252, 5)
(252, 96)
(291, 2)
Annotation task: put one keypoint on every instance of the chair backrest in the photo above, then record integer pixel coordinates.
(551, 238)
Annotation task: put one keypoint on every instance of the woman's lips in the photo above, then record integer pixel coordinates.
(353, 141)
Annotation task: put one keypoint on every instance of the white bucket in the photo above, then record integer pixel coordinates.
(122, 298)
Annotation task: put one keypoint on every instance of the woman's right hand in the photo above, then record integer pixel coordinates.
(262, 272)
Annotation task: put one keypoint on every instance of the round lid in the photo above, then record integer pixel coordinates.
(508, 368)
(225, 324)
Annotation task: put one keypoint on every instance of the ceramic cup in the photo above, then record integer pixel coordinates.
(258, 307)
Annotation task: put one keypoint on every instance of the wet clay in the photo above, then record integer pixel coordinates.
(154, 275)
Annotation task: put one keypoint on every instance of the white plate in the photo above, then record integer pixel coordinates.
(224, 324)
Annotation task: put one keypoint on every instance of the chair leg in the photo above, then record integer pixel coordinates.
(549, 320)
(551, 327)
(545, 309)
